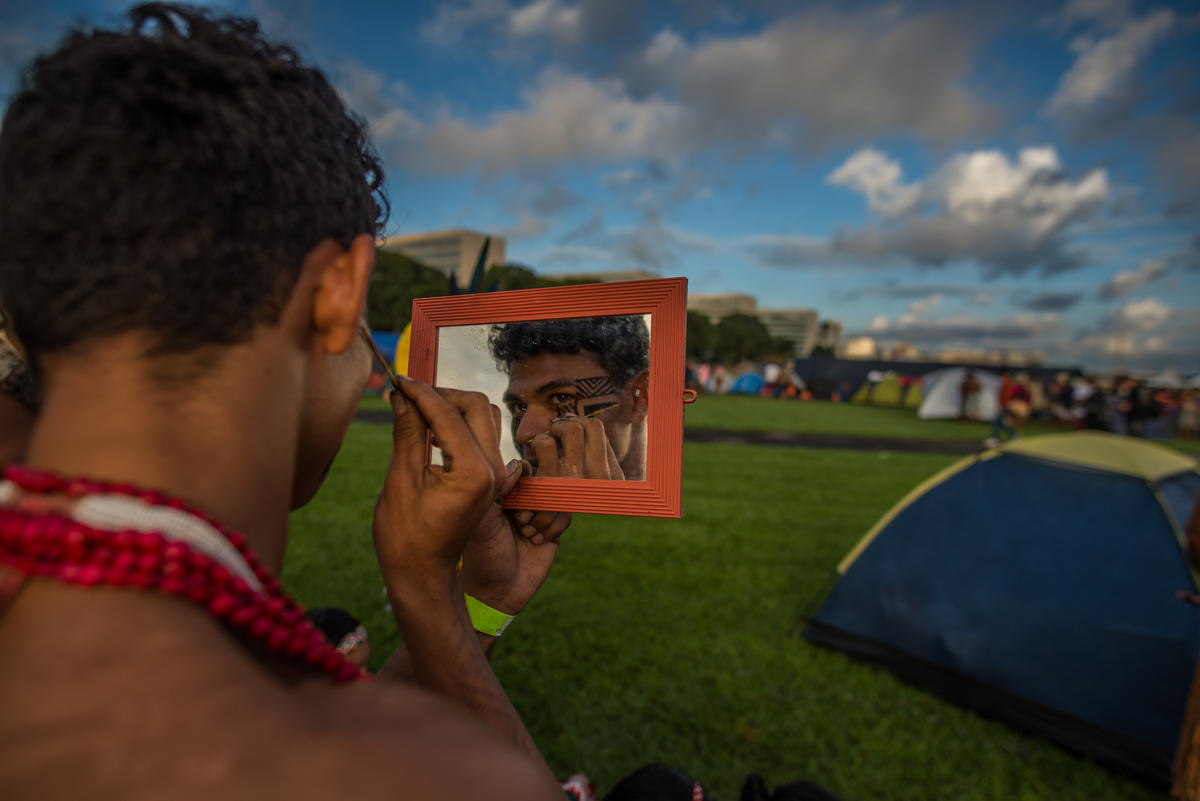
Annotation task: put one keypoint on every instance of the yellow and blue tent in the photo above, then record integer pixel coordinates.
(1036, 582)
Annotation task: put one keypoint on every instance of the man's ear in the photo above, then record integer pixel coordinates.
(639, 390)
(340, 289)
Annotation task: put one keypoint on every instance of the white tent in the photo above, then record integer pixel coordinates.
(1167, 379)
(942, 395)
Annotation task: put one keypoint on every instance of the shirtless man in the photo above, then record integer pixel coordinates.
(578, 393)
(188, 217)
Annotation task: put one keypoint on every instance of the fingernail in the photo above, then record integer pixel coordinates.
(512, 467)
(524, 517)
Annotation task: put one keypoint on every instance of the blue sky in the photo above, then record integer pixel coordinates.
(941, 174)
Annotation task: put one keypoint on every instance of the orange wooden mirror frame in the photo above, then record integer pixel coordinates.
(665, 300)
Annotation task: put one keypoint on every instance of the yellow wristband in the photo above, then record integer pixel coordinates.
(485, 619)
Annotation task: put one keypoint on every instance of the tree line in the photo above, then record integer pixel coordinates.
(733, 338)
(398, 280)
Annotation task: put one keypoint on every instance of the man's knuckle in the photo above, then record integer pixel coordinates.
(475, 400)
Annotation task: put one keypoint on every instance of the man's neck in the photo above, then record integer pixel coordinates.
(225, 442)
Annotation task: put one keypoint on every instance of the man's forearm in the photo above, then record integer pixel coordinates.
(443, 652)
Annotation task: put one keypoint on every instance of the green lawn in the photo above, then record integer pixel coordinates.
(818, 417)
(678, 640)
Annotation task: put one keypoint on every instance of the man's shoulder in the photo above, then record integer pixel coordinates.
(381, 739)
(309, 741)
(185, 706)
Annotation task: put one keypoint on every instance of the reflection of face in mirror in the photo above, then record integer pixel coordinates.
(577, 391)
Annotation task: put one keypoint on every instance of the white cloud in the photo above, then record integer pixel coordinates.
(1104, 67)
(1143, 335)
(620, 179)
(650, 244)
(566, 119)
(451, 21)
(777, 250)
(978, 187)
(1127, 281)
(875, 175)
(1177, 156)
(966, 329)
(1110, 13)
(1142, 315)
(824, 77)
(366, 93)
(573, 255)
(919, 309)
(665, 49)
(527, 225)
(1008, 215)
(807, 82)
(545, 18)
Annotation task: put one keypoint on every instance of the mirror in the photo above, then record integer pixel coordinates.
(589, 381)
(538, 372)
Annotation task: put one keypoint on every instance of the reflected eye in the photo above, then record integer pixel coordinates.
(516, 408)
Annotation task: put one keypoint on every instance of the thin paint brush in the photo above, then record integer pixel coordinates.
(601, 410)
(387, 368)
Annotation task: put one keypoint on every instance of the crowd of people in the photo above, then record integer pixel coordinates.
(771, 378)
(1120, 404)
(1117, 404)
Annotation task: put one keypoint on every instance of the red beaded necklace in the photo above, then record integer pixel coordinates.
(41, 542)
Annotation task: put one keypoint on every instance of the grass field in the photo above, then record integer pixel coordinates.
(854, 419)
(678, 640)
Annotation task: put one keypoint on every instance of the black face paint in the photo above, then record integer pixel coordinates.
(596, 387)
(567, 408)
(593, 409)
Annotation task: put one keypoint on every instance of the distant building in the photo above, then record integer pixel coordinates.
(860, 348)
(829, 335)
(606, 277)
(799, 326)
(717, 306)
(903, 351)
(453, 252)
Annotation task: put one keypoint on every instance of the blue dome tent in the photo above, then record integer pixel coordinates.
(1036, 582)
(748, 384)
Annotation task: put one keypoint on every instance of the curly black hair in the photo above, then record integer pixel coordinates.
(621, 343)
(170, 177)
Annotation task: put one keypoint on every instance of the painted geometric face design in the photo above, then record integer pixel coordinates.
(549, 386)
